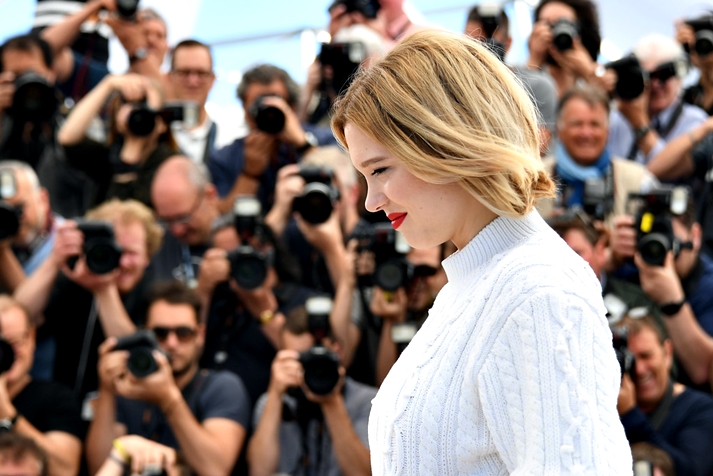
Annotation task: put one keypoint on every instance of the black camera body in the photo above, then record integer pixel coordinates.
(7, 356)
(127, 9)
(140, 345)
(368, 8)
(320, 365)
(632, 78)
(267, 118)
(627, 361)
(597, 198)
(35, 99)
(319, 196)
(142, 118)
(101, 251)
(654, 228)
(564, 33)
(703, 27)
(344, 59)
(393, 270)
(10, 215)
(248, 266)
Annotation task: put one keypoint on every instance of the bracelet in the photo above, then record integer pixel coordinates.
(119, 446)
(119, 461)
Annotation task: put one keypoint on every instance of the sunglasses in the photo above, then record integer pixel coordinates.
(424, 270)
(664, 72)
(183, 333)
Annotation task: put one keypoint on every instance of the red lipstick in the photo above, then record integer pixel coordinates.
(396, 219)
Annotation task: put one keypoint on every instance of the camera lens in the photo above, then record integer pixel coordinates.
(247, 267)
(34, 99)
(390, 276)
(563, 34)
(142, 121)
(268, 119)
(141, 362)
(102, 257)
(653, 248)
(315, 203)
(7, 356)
(321, 370)
(127, 8)
(704, 42)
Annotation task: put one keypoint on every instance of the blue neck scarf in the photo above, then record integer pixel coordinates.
(572, 175)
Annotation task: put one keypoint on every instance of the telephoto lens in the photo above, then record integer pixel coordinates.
(563, 34)
(35, 100)
(140, 345)
(101, 251)
(321, 370)
(319, 196)
(267, 118)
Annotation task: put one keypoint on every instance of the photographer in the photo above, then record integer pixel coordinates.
(589, 176)
(249, 165)
(21, 455)
(139, 141)
(290, 435)
(680, 285)
(81, 306)
(565, 42)
(202, 413)
(489, 23)
(690, 34)
(42, 410)
(641, 127)
(657, 410)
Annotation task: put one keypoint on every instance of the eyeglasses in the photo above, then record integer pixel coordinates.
(663, 73)
(424, 270)
(183, 333)
(186, 73)
(183, 219)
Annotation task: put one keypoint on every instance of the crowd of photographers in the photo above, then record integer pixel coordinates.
(172, 306)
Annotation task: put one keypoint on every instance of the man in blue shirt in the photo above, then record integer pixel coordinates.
(641, 127)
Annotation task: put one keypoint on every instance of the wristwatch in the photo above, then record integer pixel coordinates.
(7, 424)
(140, 53)
(672, 308)
(640, 132)
(266, 316)
(310, 141)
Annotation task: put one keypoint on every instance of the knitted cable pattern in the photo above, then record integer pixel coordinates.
(513, 372)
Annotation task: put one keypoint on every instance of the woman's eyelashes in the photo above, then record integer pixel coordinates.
(378, 171)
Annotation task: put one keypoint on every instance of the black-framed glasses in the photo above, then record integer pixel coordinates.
(185, 218)
(185, 73)
(183, 333)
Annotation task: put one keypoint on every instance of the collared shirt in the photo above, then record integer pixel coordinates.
(193, 141)
(622, 137)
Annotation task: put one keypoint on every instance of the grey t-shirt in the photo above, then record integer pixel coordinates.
(357, 398)
(211, 394)
(542, 88)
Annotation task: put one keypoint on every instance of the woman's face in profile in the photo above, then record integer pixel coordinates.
(427, 214)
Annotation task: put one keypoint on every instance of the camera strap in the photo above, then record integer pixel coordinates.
(210, 142)
(658, 416)
(84, 356)
(661, 131)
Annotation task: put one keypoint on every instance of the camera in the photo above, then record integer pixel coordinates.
(703, 27)
(320, 365)
(393, 270)
(368, 8)
(563, 34)
(317, 200)
(597, 198)
(344, 59)
(7, 356)
(654, 229)
(35, 100)
(10, 215)
(248, 266)
(142, 118)
(140, 345)
(627, 361)
(101, 251)
(127, 9)
(632, 78)
(267, 118)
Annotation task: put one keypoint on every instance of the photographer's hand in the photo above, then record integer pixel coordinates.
(575, 59)
(627, 396)
(7, 409)
(7, 90)
(539, 44)
(214, 269)
(144, 456)
(96, 283)
(289, 185)
(333, 398)
(292, 133)
(389, 306)
(111, 366)
(622, 241)
(660, 283)
(286, 372)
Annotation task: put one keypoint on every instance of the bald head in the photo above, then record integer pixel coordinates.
(185, 199)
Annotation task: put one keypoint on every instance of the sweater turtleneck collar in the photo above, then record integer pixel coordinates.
(498, 236)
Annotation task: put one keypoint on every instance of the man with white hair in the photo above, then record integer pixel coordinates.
(640, 128)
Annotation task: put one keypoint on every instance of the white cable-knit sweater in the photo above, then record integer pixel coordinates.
(513, 372)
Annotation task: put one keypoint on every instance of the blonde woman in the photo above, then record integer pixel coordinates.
(513, 371)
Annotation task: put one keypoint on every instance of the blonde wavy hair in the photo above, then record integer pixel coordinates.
(451, 111)
(131, 211)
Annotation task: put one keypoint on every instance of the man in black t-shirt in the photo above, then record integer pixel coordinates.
(43, 411)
